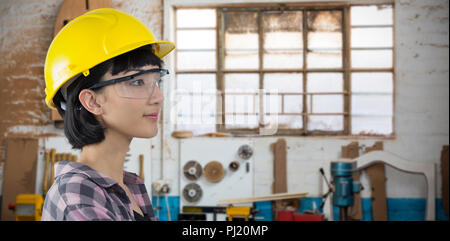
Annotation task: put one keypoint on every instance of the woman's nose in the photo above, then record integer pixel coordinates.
(157, 96)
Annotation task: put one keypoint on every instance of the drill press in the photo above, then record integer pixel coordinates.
(344, 186)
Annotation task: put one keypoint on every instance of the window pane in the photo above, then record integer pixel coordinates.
(293, 104)
(325, 82)
(236, 87)
(200, 106)
(324, 20)
(272, 104)
(196, 112)
(241, 104)
(196, 82)
(242, 82)
(325, 104)
(324, 40)
(241, 40)
(233, 121)
(196, 18)
(372, 83)
(183, 105)
(284, 82)
(372, 59)
(324, 59)
(195, 60)
(283, 40)
(371, 37)
(372, 125)
(290, 121)
(196, 39)
(283, 60)
(241, 60)
(372, 105)
(325, 123)
(371, 15)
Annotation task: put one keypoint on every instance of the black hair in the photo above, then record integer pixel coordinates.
(80, 126)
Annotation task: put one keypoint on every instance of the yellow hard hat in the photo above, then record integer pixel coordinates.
(91, 39)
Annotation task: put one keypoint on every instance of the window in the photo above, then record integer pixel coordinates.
(302, 70)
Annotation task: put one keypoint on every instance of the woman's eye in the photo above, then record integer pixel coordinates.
(137, 82)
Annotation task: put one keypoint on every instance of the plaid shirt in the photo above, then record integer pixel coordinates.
(81, 193)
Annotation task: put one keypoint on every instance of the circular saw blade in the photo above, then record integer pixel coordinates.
(214, 171)
(245, 152)
(192, 170)
(192, 192)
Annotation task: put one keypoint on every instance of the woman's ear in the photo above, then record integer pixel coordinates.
(89, 99)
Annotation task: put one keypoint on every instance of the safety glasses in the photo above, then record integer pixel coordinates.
(136, 86)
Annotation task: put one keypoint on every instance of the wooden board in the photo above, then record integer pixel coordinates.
(19, 173)
(279, 196)
(377, 175)
(279, 167)
(352, 151)
(444, 172)
(69, 10)
(279, 174)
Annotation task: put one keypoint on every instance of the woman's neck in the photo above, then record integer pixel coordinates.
(108, 156)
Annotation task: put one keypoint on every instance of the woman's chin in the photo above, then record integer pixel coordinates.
(147, 133)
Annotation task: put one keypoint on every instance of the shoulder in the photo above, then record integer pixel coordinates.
(79, 189)
(132, 178)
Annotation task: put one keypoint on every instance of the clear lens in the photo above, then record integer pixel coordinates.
(139, 87)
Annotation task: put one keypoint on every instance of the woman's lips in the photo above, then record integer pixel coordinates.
(153, 116)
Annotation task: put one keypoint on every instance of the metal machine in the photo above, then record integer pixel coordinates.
(344, 187)
(28, 207)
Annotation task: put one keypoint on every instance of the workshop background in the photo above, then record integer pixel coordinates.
(410, 114)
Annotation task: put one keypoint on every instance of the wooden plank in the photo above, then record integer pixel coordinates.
(280, 178)
(378, 146)
(274, 197)
(352, 151)
(355, 212)
(444, 172)
(347, 65)
(94, 4)
(377, 175)
(71, 9)
(19, 172)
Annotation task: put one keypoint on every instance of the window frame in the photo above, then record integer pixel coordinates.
(346, 68)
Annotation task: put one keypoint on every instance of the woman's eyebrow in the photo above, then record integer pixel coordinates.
(134, 69)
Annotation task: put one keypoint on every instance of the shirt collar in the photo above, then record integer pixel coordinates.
(63, 167)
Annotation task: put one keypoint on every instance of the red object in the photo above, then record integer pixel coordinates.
(11, 206)
(286, 216)
(308, 217)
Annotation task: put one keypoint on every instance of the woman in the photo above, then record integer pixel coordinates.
(102, 74)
